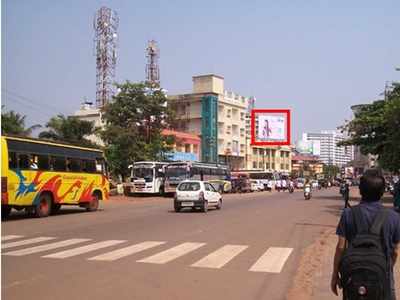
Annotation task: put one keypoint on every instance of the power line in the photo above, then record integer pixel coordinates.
(37, 109)
(30, 100)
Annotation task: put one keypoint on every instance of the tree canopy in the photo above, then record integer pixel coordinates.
(134, 121)
(376, 129)
(69, 129)
(14, 123)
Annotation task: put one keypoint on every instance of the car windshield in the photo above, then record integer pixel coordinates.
(145, 173)
(176, 172)
(189, 186)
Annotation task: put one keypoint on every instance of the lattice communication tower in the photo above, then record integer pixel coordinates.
(152, 68)
(106, 37)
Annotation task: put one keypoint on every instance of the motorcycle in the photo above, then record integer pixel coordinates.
(307, 193)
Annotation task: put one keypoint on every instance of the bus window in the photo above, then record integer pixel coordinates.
(12, 160)
(24, 161)
(43, 162)
(89, 166)
(74, 165)
(59, 163)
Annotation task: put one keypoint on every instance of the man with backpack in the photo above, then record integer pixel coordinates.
(368, 245)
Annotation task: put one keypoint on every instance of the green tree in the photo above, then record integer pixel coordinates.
(376, 129)
(69, 129)
(14, 123)
(330, 171)
(134, 121)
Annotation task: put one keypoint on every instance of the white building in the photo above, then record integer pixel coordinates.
(330, 153)
(88, 112)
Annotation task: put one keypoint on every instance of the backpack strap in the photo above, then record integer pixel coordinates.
(358, 219)
(379, 220)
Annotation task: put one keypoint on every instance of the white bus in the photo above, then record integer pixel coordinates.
(147, 177)
(179, 171)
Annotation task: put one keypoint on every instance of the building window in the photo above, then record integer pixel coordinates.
(273, 153)
(261, 151)
(187, 148)
(287, 166)
(195, 148)
(254, 151)
(260, 165)
(254, 165)
(273, 166)
(282, 154)
(282, 167)
(267, 165)
(228, 113)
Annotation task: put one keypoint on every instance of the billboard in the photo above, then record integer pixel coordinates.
(270, 127)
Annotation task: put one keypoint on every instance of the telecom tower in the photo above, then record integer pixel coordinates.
(105, 26)
(152, 68)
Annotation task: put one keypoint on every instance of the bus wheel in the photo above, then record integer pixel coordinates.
(5, 211)
(44, 207)
(55, 208)
(94, 204)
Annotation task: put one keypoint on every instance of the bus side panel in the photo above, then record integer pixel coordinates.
(4, 171)
(25, 187)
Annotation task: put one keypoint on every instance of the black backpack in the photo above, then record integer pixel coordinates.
(364, 267)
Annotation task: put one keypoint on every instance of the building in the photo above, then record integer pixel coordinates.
(304, 165)
(222, 120)
(330, 153)
(88, 112)
(186, 147)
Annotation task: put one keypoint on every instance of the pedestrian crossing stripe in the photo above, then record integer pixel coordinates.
(272, 261)
(26, 242)
(46, 247)
(123, 252)
(171, 254)
(10, 237)
(221, 257)
(83, 249)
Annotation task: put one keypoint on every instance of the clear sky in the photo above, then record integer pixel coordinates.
(317, 57)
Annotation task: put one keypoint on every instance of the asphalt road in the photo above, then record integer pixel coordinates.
(143, 250)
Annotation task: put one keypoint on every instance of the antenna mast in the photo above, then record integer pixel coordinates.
(105, 25)
(152, 68)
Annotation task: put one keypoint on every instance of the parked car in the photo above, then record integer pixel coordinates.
(196, 194)
(256, 185)
(222, 186)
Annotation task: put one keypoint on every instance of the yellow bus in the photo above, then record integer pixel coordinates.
(40, 176)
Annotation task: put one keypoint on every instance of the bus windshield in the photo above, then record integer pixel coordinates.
(145, 173)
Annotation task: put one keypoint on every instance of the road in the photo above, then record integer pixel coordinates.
(143, 250)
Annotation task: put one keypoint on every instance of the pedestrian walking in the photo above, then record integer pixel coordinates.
(368, 245)
(346, 194)
(396, 195)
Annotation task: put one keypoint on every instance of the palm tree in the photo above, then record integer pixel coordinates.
(14, 123)
(69, 129)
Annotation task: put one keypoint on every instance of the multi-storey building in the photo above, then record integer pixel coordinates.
(222, 120)
(330, 152)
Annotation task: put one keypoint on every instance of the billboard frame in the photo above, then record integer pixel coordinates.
(253, 141)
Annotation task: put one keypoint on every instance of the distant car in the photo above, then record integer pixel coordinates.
(256, 185)
(196, 194)
(222, 186)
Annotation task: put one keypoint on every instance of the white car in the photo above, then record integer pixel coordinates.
(196, 194)
(256, 185)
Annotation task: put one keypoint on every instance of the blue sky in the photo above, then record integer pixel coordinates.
(316, 57)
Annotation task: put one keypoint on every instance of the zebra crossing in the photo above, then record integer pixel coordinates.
(272, 260)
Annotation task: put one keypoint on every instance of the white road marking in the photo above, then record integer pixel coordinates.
(171, 254)
(272, 261)
(26, 242)
(221, 257)
(46, 247)
(10, 237)
(119, 253)
(83, 249)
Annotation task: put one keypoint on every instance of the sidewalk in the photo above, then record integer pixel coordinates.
(321, 254)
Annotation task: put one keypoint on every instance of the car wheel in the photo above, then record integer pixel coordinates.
(177, 208)
(205, 207)
(219, 205)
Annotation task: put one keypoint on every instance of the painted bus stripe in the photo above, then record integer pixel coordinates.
(123, 252)
(46, 247)
(272, 261)
(26, 242)
(172, 253)
(84, 249)
(221, 257)
(10, 237)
